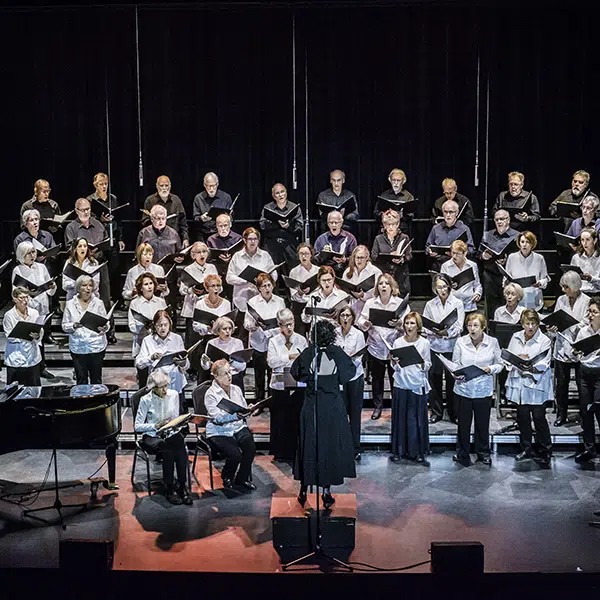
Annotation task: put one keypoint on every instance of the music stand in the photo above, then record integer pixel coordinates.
(317, 552)
(57, 505)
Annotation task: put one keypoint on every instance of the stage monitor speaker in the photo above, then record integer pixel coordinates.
(294, 528)
(457, 558)
(82, 554)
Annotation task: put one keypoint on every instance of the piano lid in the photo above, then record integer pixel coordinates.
(66, 391)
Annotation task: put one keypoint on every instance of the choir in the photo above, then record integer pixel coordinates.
(253, 297)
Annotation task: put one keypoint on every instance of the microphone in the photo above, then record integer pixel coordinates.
(316, 299)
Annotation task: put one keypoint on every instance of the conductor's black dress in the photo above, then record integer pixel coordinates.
(336, 450)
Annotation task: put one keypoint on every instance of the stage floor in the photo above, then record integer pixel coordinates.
(529, 518)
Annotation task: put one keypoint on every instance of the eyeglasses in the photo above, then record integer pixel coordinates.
(579, 181)
(252, 239)
(84, 210)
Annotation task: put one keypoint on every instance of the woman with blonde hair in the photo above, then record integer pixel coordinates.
(360, 268)
(144, 255)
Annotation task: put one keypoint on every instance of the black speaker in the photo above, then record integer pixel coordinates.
(295, 537)
(457, 558)
(82, 554)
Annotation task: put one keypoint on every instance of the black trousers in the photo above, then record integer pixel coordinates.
(191, 337)
(239, 451)
(525, 412)
(262, 372)
(480, 408)
(174, 456)
(353, 399)
(378, 369)
(29, 376)
(562, 370)
(436, 375)
(494, 297)
(88, 367)
(590, 396)
(284, 412)
(114, 270)
(142, 377)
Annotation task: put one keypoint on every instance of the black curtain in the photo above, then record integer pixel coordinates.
(387, 87)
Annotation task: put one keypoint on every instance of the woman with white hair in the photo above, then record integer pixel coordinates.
(22, 358)
(576, 304)
(159, 406)
(36, 274)
(87, 347)
(511, 311)
(223, 328)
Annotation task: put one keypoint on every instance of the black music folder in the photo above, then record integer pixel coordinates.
(263, 323)
(509, 247)
(275, 217)
(250, 273)
(459, 280)
(564, 209)
(325, 255)
(310, 283)
(56, 220)
(75, 272)
(587, 345)
(380, 317)
(561, 319)
(468, 372)
(562, 239)
(446, 322)
(23, 329)
(49, 252)
(34, 289)
(397, 205)
(230, 250)
(503, 332)
(140, 318)
(4, 265)
(362, 286)
(100, 246)
(215, 211)
(524, 207)
(94, 321)
(188, 279)
(184, 253)
(524, 282)
(407, 356)
(208, 318)
(215, 354)
(168, 359)
(443, 249)
(522, 363)
(233, 408)
(349, 206)
(326, 312)
(163, 280)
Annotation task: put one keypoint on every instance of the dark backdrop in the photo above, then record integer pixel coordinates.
(387, 87)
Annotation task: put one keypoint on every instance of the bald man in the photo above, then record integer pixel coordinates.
(174, 206)
(335, 196)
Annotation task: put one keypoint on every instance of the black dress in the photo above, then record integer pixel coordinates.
(336, 450)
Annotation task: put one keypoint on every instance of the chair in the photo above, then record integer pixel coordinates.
(139, 450)
(202, 442)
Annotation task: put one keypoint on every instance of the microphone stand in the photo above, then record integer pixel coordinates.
(317, 554)
(58, 505)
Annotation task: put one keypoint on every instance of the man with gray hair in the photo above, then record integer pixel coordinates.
(172, 204)
(396, 195)
(522, 206)
(32, 233)
(589, 216)
(211, 197)
(575, 195)
(336, 197)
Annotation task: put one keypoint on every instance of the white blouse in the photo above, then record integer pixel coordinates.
(222, 423)
(352, 343)
(68, 284)
(562, 349)
(152, 410)
(299, 273)
(502, 315)
(376, 335)
(148, 308)
(219, 311)
(37, 273)
(414, 377)
(21, 353)
(198, 272)
(531, 387)
(172, 343)
(486, 354)
(436, 311)
(330, 301)
(135, 272)
(233, 345)
(591, 361)
(370, 269)
(242, 290)
(278, 357)
(591, 266)
(259, 339)
(534, 265)
(83, 340)
(467, 291)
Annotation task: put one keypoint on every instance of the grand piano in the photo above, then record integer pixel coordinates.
(65, 416)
